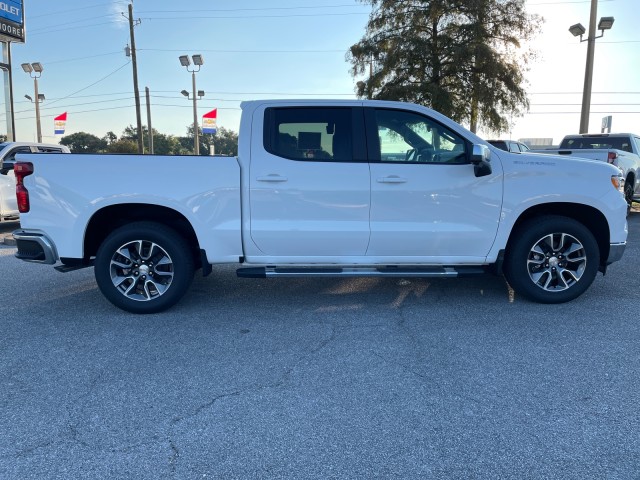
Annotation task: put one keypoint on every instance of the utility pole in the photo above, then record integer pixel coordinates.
(146, 89)
(588, 75)
(196, 140)
(136, 91)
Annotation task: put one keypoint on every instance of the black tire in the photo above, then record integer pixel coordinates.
(628, 193)
(551, 259)
(144, 267)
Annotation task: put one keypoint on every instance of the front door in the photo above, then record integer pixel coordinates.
(425, 199)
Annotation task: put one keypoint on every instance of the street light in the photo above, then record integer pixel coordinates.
(35, 71)
(576, 30)
(198, 61)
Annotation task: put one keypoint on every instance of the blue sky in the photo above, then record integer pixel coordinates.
(280, 49)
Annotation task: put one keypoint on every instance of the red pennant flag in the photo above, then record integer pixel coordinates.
(59, 123)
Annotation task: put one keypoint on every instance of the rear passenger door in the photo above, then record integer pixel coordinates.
(309, 182)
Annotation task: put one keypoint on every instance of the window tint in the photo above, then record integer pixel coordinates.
(410, 137)
(316, 134)
(12, 156)
(49, 150)
(597, 142)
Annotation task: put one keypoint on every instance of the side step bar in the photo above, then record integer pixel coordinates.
(389, 271)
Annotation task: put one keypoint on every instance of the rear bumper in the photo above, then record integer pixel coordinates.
(36, 247)
(615, 252)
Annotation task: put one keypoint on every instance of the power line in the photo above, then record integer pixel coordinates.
(224, 10)
(567, 2)
(119, 108)
(86, 7)
(241, 51)
(268, 93)
(580, 93)
(576, 104)
(94, 83)
(578, 113)
(119, 52)
(75, 28)
(41, 29)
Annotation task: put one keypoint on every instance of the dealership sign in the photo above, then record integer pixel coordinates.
(11, 21)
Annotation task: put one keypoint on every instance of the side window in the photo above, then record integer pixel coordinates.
(637, 140)
(523, 147)
(11, 157)
(49, 150)
(312, 134)
(410, 137)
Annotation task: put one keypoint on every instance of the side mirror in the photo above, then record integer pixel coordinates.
(6, 166)
(481, 160)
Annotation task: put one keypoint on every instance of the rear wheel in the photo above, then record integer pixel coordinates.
(552, 259)
(144, 267)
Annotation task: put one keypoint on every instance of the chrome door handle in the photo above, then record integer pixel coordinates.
(271, 178)
(392, 179)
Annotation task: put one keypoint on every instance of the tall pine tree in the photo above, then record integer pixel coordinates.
(460, 57)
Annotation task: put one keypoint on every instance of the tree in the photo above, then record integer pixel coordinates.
(123, 145)
(83, 142)
(225, 141)
(460, 57)
(110, 137)
(162, 144)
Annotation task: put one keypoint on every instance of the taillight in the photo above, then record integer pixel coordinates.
(21, 170)
(611, 157)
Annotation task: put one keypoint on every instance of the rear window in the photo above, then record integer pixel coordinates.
(313, 134)
(595, 142)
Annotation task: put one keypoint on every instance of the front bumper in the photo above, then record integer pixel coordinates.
(36, 247)
(615, 252)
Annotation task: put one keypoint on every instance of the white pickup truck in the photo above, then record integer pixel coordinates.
(8, 152)
(325, 188)
(619, 149)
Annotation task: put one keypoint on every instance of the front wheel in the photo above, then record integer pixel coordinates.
(144, 267)
(551, 259)
(628, 193)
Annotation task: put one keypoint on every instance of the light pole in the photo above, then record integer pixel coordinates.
(576, 30)
(35, 71)
(198, 61)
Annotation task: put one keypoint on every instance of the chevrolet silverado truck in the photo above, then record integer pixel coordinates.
(324, 188)
(8, 152)
(619, 149)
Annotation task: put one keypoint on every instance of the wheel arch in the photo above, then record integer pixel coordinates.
(590, 217)
(107, 219)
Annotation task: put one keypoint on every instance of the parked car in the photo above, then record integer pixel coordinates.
(8, 151)
(509, 145)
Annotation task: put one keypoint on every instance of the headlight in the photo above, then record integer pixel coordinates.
(618, 182)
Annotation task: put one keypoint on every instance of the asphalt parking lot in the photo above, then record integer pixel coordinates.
(319, 378)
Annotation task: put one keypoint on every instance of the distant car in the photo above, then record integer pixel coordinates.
(509, 145)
